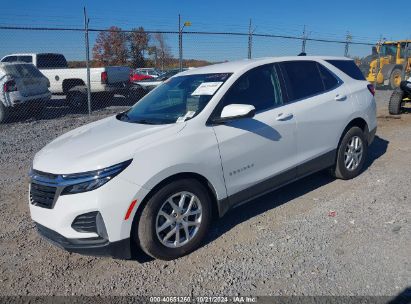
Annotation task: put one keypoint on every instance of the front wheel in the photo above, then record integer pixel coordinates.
(175, 220)
(351, 154)
(4, 113)
(77, 99)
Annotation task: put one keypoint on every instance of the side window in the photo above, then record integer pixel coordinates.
(329, 80)
(258, 87)
(10, 59)
(348, 67)
(27, 59)
(302, 79)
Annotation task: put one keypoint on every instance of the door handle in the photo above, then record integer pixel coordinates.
(340, 97)
(283, 117)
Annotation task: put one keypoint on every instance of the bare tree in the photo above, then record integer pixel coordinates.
(162, 50)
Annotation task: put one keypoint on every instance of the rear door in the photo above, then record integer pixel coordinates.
(322, 107)
(257, 153)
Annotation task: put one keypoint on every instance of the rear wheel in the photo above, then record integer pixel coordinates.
(395, 78)
(175, 220)
(351, 154)
(77, 99)
(4, 113)
(37, 110)
(396, 102)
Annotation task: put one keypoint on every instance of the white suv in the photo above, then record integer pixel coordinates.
(205, 141)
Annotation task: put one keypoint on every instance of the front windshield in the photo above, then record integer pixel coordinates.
(389, 50)
(177, 100)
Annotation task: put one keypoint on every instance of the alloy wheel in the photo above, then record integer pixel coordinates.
(353, 153)
(179, 219)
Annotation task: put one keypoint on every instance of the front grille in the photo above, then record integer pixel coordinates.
(85, 222)
(42, 196)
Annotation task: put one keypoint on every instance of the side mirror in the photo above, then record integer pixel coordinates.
(235, 111)
(374, 51)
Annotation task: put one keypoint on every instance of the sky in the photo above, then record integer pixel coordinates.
(365, 20)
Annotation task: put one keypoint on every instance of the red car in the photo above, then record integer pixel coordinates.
(137, 76)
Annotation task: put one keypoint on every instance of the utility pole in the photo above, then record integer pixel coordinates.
(86, 22)
(304, 40)
(180, 43)
(348, 39)
(377, 70)
(250, 40)
(180, 40)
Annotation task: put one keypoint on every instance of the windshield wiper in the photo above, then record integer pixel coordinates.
(144, 121)
(123, 116)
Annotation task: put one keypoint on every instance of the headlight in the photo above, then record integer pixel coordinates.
(87, 181)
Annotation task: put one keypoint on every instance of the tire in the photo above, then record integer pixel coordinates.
(396, 101)
(37, 111)
(395, 73)
(4, 113)
(151, 221)
(77, 99)
(341, 170)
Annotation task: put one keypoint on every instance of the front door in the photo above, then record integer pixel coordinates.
(258, 153)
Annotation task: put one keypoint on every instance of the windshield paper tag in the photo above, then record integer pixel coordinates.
(188, 115)
(207, 88)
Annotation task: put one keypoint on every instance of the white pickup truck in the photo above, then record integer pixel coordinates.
(72, 81)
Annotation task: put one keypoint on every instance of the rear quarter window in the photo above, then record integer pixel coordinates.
(9, 59)
(23, 71)
(348, 67)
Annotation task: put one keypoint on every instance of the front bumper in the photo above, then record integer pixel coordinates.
(96, 246)
(111, 201)
(16, 99)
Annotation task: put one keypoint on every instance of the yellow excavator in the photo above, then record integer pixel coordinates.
(392, 59)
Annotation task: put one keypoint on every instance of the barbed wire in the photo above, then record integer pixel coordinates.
(31, 28)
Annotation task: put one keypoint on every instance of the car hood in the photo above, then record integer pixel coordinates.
(98, 145)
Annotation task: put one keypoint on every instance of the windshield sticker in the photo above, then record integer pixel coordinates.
(207, 88)
(188, 115)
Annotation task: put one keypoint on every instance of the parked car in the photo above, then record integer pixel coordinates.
(204, 142)
(136, 76)
(22, 85)
(72, 82)
(151, 83)
(154, 73)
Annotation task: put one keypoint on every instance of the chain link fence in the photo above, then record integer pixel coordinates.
(125, 65)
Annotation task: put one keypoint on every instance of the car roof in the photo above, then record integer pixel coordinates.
(30, 54)
(246, 64)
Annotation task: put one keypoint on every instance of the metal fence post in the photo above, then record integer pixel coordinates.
(348, 39)
(180, 44)
(250, 40)
(378, 62)
(304, 41)
(86, 21)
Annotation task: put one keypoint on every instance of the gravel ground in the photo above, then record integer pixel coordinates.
(285, 243)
